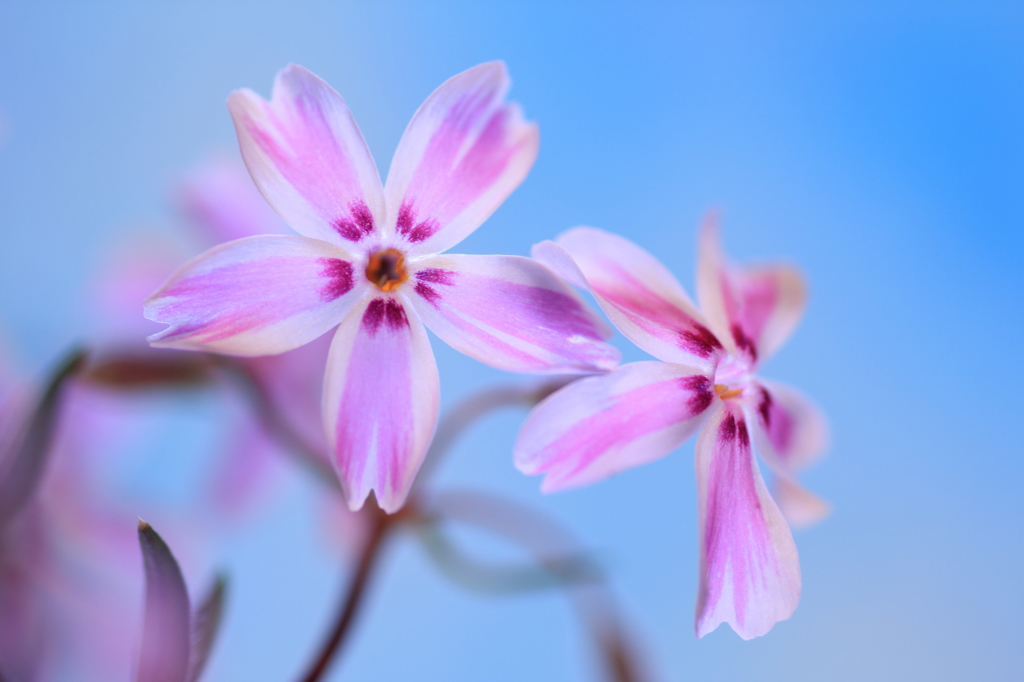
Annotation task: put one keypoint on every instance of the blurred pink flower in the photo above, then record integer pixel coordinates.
(219, 200)
(368, 258)
(593, 428)
(66, 597)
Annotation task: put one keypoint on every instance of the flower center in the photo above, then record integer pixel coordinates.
(386, 269)
(724, 392)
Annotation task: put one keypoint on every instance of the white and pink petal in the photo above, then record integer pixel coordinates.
(510, 312)
(790, 433)
(464, 152)
(792, 429)
(800, 507)
(381, 397)
(598, 426)
(753, 310)
(638, 294)
(255, 296)
(309, 159)
(749, 569)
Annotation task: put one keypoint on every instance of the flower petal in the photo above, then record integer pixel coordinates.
(308, 158)
(166, 630)
(795, 430)
(381, 396)
(512, 313)
(463, 153)
(749, 570)
(753, 310)
(255, 296)
(637, 293)
(800, 507)
(790, 433)
(599, 426)
(221, 199)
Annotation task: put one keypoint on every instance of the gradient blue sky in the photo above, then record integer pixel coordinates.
(880, 148)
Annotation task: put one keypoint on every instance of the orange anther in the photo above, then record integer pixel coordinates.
(724, 392)
(386, 269)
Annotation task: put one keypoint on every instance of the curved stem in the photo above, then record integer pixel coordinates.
(457, 419)
(353, 598)
(551, 545)
(449, 429)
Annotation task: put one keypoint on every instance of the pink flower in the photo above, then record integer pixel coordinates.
(368, 258)
(63, 604)
(598, 426)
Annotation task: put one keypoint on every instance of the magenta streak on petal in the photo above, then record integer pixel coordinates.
(700, 386)
(340, 274)
(778, 423)
(410, 229)
(302, 146)
(433, 276)
(445, 184)
(737, 544)
(436, 276)
(749, 303)
(743, 342)
(627, 417)
(386, 312)
(236, 298)
(540, 317)
(357, 224)
(653, 313)
(376, 414)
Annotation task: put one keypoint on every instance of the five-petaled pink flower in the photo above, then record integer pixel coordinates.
(368, 258)
(595, 427)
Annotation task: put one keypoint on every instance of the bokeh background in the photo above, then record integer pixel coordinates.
(879, 147)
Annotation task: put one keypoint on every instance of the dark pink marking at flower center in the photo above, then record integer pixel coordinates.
(765, 408)
(340, 279)
(701, 393)
(410, 229)
(428, 276)
(699, 340)
(733, 429)
(777, 423)
(743, 342)
(384, 312)
(357, 224)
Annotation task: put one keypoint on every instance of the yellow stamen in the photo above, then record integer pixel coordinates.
(724, 392)
(386, 269)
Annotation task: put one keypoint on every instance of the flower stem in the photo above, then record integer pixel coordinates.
(380, 524)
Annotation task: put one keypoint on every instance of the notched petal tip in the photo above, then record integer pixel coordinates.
(749, 570)
(380, 402)
(602, 425)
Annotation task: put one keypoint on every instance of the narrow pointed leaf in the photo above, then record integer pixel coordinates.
(205, 624)
(166, 636)
(23, 461)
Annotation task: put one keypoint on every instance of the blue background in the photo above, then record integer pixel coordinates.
(881, 148)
